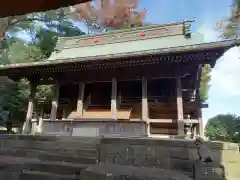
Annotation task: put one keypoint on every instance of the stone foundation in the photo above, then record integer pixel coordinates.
(92, 128)
(59, 157)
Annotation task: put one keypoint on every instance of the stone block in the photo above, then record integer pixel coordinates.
(232, 169)
(193, 155)
(231, 155)
(159, 151)
(9, 174)
(180, 153)
(209, 171)
(185, 166)
(149, 142)
(222, 145)
(217, 155)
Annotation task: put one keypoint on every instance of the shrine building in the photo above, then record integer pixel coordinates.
(134, 82)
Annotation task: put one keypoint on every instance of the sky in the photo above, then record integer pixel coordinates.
(224, 92)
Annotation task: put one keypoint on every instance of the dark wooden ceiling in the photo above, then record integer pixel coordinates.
(21, 7)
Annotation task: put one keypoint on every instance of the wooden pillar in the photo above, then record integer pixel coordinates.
(55, 101)
(114, 98)
(200, 128)
(27, 124)
(40, 124)
(81, 88)
(63, 113)
(180, 107)
(145, 105)
(144, 100)
(194, 132)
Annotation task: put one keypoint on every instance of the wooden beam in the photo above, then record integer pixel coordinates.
(114, 99)
(26, 6)
(27, 124)
(81, 88)
(55, 101)
(193, 121)
(180, 114)
(148, 70)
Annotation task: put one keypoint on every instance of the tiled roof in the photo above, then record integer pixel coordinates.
(161, 51)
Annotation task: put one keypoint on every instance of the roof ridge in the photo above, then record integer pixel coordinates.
(177, 28)
(128, 29)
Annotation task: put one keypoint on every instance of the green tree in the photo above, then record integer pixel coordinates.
(46, 38)
(204, 85)
(20, 52)
(223, 127)
(44, 30)
(13, 103)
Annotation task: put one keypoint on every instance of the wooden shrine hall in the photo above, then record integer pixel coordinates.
(134, 82)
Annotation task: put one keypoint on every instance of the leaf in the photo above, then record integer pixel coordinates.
(114, 14)
(204, 85)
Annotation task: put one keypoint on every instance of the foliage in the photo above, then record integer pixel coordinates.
(47, 38)
(229, 28)
(20, 52)
(204, 86)
(44, 30)
(223, 127)
(14, 101)
(109, 14)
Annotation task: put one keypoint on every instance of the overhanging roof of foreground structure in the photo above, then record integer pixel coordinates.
(21, 7)
(169, 43)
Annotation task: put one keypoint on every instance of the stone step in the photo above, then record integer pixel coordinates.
(45, 145)
(16, 164)
(36, 175)
(48, 138)
(70, 159)
(23, 152)
(56, 168)
(45, 156)
(62, 169)
(6, 161)
(102, 172)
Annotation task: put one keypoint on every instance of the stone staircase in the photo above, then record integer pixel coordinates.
(78, 158)
(48, 158)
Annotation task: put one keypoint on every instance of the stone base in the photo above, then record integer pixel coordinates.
(94, 128)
